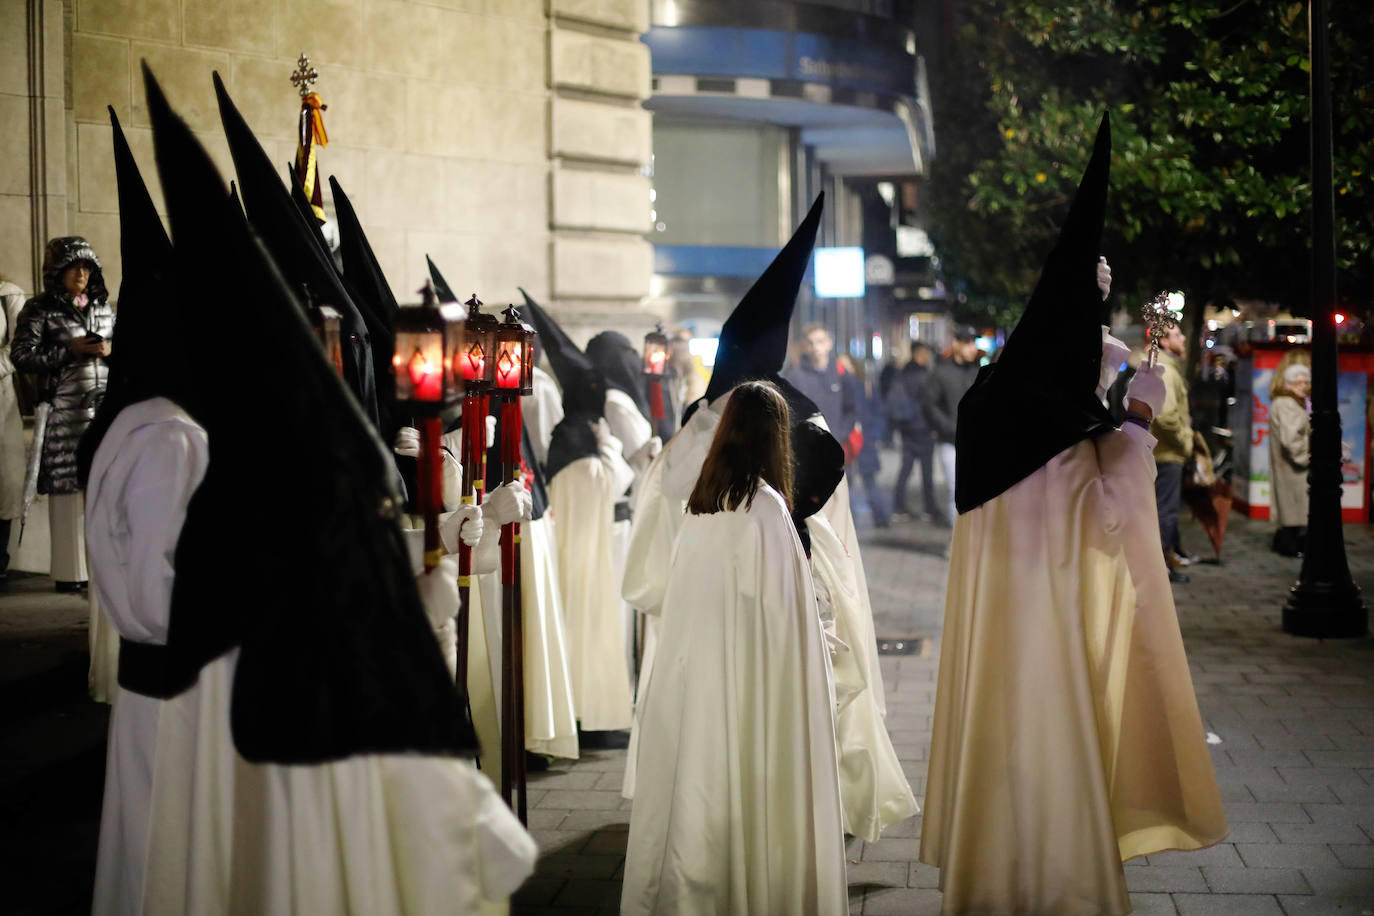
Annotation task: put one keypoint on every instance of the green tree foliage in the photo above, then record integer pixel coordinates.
(1210, 168)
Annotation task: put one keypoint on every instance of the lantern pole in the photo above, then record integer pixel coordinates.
(1325, 602)
(477, 378)
(513, 373)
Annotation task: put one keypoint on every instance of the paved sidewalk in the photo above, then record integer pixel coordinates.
(1296, 762)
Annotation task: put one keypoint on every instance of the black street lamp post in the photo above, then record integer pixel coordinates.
(1325, 602)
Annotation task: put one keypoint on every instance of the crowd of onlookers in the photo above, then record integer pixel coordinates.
(911, 406)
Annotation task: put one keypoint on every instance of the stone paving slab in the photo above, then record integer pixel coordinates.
(1296, 762)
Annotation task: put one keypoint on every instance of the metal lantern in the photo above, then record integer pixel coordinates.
(655, 352)
(326, 322)
(471, 356)
(514, 355)
(425, 381)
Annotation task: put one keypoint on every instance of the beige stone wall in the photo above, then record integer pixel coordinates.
(503, 137)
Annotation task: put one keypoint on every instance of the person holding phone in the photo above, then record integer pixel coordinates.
(63, 336)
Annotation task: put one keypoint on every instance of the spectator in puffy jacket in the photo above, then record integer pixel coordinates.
(943, 390)
(63, 336)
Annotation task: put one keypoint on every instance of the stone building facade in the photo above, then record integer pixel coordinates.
(506, 138)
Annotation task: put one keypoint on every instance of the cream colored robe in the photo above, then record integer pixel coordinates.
(582, 498)
(1290, 435)
(737, 806)
(1066, 736)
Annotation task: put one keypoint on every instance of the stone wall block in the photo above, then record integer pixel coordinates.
(14, 145)
(610, 133)
(596, 268)
(14, 46)
(330, 32)
(100, 77)
(16, 241)
(261, 88)
(157, 20)
(598, 200)
(606, 65)
(230, 25)
(443, 120)
(403, 190)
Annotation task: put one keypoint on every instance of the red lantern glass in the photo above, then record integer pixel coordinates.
(515, 354)
(655, 352)
(425, 381)
(474, 347)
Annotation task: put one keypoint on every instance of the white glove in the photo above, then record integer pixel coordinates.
(464, 524)
(408, 442)
(491, 431)
(606, 444)
(646, 453)
(439, 592)
(1147, 385)
(1104, 277)
(510, 502)
(1114, 353)
(453, 480)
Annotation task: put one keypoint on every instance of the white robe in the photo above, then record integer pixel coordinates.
(377, 834)
(582, 498)
(737, 806)
(170, 763)
(1066, 734)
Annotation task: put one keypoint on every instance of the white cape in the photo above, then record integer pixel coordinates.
(737, 806)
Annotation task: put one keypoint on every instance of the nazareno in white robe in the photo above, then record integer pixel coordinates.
(386, 834)
(582, 498)
(873, 788)
(737, 806)
(1066, 735)
(633, 430)
(170, 763)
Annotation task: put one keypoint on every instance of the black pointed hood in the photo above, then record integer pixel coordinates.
(753, 340)
(360, 266)
(622, 363)
(151, 359)
(1041, 392)
(290, 239)
(336, 657)
(583, 387)
(442, 290)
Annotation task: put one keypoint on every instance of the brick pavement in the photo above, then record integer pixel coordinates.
(1296, 762)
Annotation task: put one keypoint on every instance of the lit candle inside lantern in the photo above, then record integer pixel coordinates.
(508, 366)
(426, 377)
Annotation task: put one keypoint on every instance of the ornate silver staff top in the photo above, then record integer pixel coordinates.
(1158, 318)
(304, 76)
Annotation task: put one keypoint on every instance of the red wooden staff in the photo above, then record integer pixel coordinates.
(514, 377)
(473, 364)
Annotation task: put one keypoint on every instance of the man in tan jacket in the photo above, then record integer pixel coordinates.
(1173, 432)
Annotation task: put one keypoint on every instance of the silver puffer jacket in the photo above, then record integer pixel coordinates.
(45, 328)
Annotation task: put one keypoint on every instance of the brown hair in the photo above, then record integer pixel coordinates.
(752, 445)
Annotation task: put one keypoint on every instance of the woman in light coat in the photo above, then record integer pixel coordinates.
(1290, 432)
(11, 428)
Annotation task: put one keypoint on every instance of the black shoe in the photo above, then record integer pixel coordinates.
(1176, 576)
(69, 588)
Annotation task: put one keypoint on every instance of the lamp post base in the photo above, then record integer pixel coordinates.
(1324, 610)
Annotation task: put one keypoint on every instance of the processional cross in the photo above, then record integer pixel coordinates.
(1158, 318)
(305, 76)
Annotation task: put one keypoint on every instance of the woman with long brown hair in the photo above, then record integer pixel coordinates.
(737, 805)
